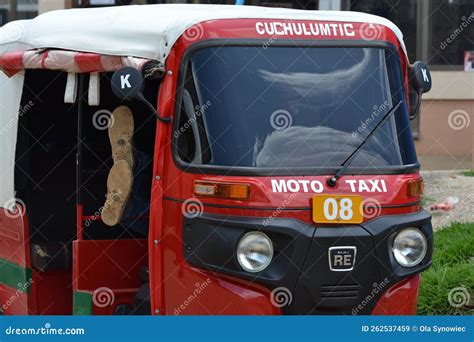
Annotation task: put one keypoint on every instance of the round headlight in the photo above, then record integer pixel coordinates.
(255, 251)
(409, 247)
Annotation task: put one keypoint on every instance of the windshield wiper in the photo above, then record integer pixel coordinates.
(332, 181)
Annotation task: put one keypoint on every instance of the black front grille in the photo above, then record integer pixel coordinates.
(342, 292)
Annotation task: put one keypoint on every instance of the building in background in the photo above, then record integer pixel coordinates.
(17, 9)
(440, 32)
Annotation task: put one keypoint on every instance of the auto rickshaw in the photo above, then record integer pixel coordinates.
(282, 174)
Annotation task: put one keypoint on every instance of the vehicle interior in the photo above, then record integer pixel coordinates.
(46, 176)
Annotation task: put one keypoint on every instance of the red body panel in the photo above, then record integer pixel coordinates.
(400, 299)
(108, 263)
(51, 293)
(173, 280)
(13, 234)
(13, 302)
(14, 248)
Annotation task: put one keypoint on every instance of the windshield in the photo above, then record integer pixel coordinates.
(292, 107)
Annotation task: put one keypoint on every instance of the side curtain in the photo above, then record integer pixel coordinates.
(11, 90)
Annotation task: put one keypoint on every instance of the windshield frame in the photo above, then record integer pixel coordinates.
(270, 171)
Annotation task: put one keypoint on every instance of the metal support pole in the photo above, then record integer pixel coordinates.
(79, 206)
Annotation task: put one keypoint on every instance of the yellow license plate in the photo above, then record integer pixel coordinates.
(337, 209)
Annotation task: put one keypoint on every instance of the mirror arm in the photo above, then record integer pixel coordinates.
(418, 105)
(142, 99)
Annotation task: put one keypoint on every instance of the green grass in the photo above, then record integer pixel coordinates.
(453, 266)
(469, 173)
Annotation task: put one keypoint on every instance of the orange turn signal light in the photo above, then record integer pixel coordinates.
(222, 190)
(416, 187)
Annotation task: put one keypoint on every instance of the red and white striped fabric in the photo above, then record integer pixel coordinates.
(69, 61)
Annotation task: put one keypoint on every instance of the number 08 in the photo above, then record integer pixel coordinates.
(334, 209)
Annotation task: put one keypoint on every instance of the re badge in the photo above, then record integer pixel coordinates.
(342, 258)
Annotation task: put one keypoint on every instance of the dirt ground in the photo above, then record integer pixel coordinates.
(441, 184)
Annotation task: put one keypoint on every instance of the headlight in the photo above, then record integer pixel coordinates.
(255, 251)
(409, 247)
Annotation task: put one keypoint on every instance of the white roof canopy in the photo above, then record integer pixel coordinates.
(147, 31)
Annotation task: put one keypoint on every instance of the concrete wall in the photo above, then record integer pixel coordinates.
(447, 119)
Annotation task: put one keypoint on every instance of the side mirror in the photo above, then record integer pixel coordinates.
(419, 79)
(128, 84)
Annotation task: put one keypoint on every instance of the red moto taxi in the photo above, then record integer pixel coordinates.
(282, 174)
